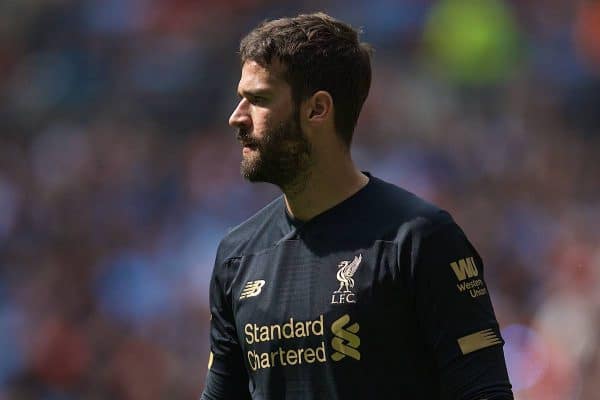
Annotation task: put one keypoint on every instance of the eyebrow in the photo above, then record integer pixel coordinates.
(253, 93)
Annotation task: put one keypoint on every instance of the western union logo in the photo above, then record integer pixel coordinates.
(252, 288)
(464, 268)
(478, 340)
(346, 342)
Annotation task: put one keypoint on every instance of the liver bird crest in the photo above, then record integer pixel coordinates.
(346, 270)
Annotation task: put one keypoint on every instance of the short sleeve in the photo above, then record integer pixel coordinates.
(227, 377)
(223, 338)
(457, 318)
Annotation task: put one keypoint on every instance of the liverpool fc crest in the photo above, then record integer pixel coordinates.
(345, 273)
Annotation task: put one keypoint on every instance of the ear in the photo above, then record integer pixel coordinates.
(319, 107)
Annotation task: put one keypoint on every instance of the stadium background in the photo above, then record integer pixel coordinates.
(119, 174)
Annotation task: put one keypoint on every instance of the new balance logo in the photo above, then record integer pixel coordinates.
(346, 342)
(252, 288)
(464, 268)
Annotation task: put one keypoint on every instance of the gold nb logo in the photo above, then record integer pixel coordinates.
(252, 288)
(346, 342)
(464, 268)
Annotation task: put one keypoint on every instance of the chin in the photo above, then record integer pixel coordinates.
(250, 171)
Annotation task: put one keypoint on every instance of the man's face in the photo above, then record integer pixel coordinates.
(274, 147)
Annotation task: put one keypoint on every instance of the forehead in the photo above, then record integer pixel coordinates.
(256, 77)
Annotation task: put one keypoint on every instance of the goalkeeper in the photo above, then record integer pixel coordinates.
(346, 286)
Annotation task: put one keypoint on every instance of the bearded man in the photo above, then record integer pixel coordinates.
(346, 286)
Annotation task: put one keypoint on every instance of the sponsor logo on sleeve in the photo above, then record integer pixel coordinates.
(468, 278)
(464, 268)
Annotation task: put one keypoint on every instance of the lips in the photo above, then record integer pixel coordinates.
(250, 145)
(244, 138)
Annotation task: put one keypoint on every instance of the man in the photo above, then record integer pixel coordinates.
(345, 287)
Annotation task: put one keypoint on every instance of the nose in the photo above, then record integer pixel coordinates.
(240, 117)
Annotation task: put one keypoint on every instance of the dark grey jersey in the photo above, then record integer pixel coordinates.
(379, 297)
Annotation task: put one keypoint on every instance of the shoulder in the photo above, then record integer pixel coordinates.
(405, 212)
(258, 232)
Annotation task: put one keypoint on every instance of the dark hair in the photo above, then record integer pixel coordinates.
(318, 53)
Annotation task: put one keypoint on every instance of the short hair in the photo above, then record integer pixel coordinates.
(318, 53)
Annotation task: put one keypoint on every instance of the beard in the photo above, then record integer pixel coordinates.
(282, 157)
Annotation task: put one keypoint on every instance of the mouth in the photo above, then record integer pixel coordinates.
(251, 144)
(248, 147)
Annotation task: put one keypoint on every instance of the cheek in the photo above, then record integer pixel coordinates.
(261, 122)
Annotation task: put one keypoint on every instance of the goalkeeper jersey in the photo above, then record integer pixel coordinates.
(380, 297)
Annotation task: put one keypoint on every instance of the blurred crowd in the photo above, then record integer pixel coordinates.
(119, 175)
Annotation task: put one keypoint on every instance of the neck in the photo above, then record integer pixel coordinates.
(325, 185)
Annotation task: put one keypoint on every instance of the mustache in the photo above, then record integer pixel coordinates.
(243, 136)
